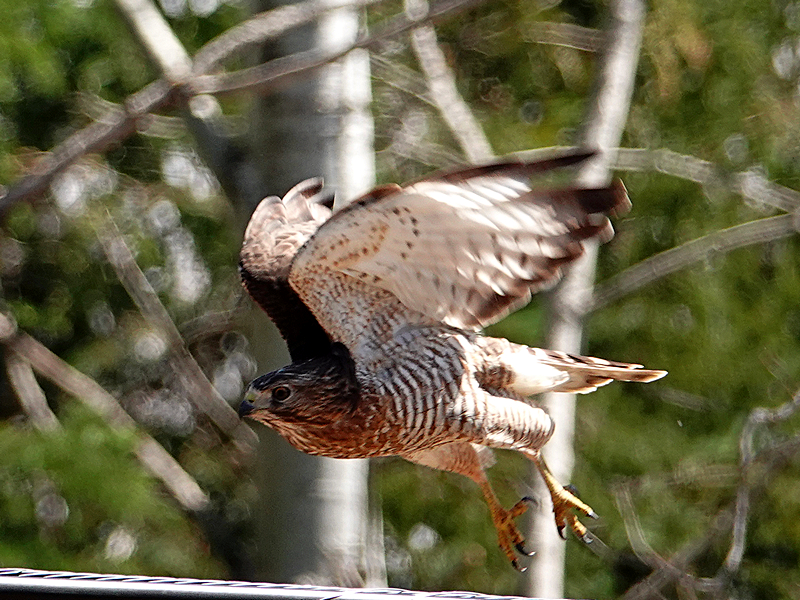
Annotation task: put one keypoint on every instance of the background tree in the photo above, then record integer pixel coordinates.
(317, 526)
(123, 267)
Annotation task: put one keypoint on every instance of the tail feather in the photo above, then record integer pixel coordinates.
(528, 371)
(587, 373)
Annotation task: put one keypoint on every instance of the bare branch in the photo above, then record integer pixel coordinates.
(265, 26)
(31, 396)
(153, 457)
(758, 471)
(157, 38)
(758, 417)
(99, 136)
(268, 75)
(633, 528)
(96, 137)
(101, 110)
(442, 84)
(676, 567)
(750, 184)
(674, 259)
(198, 388)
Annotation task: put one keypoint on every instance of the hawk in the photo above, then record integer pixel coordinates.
(381, 304)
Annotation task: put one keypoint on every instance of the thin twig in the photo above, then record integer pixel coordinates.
(265, 26)
(680, 257)
(633, 528)
(97, 137)
(758, 417)
(675, 568)
(202, 114)
(153, 457)
(763, 466)
(400, 77)
(750, 184)
(268, 75)
(568, 35)
(442, 84)
(101, 110)
(31, 396)
(199, 389)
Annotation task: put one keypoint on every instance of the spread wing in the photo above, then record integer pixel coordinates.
(464, 248)
(277, 229)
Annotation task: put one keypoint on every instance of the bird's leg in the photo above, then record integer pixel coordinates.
(508, 536)
(564, 501)
(463, 458)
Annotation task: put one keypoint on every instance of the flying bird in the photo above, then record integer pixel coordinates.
(381, 304)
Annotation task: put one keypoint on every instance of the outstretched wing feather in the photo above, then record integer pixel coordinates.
(275, 232)
(460, 249)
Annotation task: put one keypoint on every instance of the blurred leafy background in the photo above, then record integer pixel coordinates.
(718, 80)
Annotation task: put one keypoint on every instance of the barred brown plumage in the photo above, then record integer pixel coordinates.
(381, 302)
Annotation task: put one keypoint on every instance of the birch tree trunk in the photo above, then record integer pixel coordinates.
(312, 519)
(603, 126)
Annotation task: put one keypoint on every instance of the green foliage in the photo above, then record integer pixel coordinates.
(76, 499)
(717, 79)
(60, 288)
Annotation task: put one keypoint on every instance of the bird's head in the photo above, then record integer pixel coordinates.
(317, 391)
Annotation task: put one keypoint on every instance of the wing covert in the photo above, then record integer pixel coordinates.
(466, 247)
(275, 232)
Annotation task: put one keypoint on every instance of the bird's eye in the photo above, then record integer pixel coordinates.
(281, 393)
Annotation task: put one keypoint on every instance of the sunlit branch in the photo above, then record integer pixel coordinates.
(680, 257)
(269, 75)
(153, 457)
(262, 27)
(442, 85)
(101, 135)
(749, 184)
(199, 389)
(157, 38)
(202, 114)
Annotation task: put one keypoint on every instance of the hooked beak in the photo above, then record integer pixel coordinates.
(245, 408)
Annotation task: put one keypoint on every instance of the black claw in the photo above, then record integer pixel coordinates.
(561, 533)
(572, 490)
(515, 564)
(521, 549)
(528, 499)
